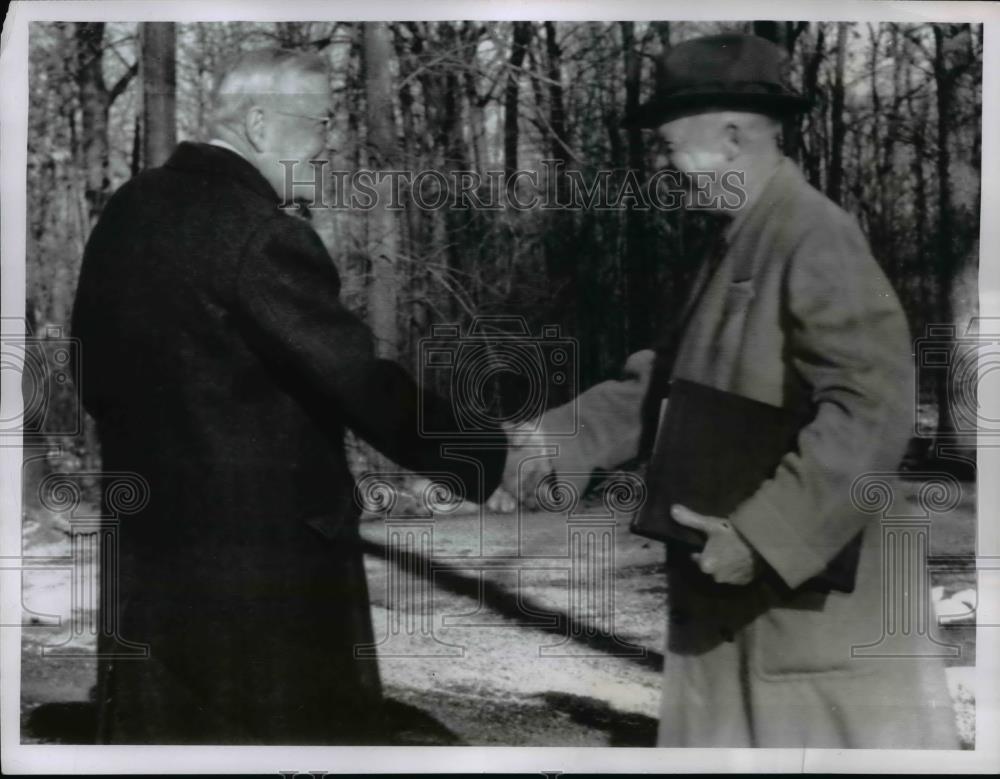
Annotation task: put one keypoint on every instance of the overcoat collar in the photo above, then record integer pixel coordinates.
(212, 160)
(785, 179)
(784, 182)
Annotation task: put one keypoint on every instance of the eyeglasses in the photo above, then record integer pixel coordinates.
(325, 121)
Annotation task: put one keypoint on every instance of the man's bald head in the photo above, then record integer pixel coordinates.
(274, 106)
(259, 75)
(716, 141)
(746, 132)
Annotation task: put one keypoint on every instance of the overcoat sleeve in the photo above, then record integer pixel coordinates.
(608, 421)
(847, 339)
(287, 301)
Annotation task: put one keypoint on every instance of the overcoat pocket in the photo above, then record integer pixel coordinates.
(812, 634)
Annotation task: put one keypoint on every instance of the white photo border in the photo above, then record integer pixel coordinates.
(70, 759)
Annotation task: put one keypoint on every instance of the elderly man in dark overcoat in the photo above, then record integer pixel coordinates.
(790, 309)
(222, 367)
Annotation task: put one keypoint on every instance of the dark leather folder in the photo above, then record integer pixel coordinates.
(713, 450)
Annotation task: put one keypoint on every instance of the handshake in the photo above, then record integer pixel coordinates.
(528, 468)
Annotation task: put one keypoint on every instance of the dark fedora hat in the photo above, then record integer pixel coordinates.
(729, 71)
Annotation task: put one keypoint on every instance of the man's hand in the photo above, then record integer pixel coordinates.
(727, 558)
(501, 501)
(521, 476)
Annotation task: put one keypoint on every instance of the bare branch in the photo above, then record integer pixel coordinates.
(122, 84)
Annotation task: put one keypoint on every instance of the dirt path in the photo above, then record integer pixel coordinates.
(478, 639)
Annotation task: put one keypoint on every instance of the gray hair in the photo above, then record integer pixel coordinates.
(253, 75)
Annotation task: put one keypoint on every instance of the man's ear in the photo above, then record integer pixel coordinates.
(732, 140)
(255, 126)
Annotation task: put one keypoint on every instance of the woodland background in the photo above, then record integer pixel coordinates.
(894, 136)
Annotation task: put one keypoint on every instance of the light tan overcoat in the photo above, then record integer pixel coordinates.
(796, 311)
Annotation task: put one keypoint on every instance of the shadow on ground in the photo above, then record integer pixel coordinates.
(76, 723)
(61, 723)
(624, 729)
(414, 727)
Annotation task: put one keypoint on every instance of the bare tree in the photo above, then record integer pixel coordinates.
(894, 136)
(838, 128)
(383, 234)
(158, 47)
(810, 88)
(638, 272)
(511, 132)
(950, 62)
(785, 34)
(95, 102)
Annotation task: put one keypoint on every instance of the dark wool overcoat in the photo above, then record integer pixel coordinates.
(221, 367)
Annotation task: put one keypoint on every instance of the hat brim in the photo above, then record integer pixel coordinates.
(660, 110)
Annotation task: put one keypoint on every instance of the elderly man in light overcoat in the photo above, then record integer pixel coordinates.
(790, 309)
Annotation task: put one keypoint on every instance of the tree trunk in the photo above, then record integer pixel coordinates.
(640, 287)
(451, 118)
(511, 134)
(946, 75)
(412, 239)
(383, 235)
(94, 104)
(784, 34)
(453, 145)
(944, 255)
(135, 162)
(810, 89)
(158, 44)
(471, 33)
(887, 182)
(917, 111)
(877, 222)
(838, 130)
(557, 109)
